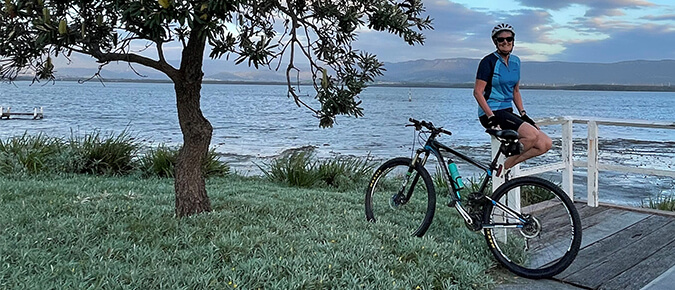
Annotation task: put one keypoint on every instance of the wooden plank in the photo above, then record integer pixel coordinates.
(555, 237)
(20, 114)
(622, 122)
(612, 224)
(546, 211)
(554, 223)
(625, 258)
(541, 169)
(592, 159)
(608, 220)
(637, 170)
(640, 209)
(646, 271)
(586, 212)
(550, 218)
(608, 246)
(567, 155)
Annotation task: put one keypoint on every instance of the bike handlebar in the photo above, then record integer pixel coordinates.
(419, 124)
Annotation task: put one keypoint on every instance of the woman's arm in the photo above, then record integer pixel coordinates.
(518, 99)
(478, 91)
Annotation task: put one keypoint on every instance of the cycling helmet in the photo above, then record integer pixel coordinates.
(502, 27)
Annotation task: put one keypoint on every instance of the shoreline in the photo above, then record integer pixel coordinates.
(568, 87)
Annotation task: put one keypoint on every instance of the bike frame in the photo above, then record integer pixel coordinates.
(432, 146)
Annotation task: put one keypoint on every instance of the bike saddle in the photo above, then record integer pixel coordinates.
(507, 135)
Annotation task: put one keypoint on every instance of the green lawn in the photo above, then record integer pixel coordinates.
(81, 232)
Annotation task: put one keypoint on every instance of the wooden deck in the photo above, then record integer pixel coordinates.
(621, 248)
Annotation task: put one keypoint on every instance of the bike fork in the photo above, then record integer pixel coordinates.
(402, 197)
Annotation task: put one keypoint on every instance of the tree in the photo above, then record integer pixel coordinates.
(261, 33)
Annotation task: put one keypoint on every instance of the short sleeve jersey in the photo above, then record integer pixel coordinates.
(501, 80)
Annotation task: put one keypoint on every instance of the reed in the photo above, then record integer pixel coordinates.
(662, 201)
(303, 170)
(161, 162)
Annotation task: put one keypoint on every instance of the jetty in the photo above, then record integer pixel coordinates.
(622, 247)
(7, 114)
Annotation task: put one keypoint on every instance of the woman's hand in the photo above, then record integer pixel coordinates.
(527, 119)
(492, 122)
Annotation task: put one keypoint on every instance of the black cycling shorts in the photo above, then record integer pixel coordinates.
(505, 118)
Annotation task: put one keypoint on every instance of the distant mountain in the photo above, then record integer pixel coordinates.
(462, 70)
(439, 72)
(638, 72)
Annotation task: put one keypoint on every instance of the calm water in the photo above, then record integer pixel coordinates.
(255, 123)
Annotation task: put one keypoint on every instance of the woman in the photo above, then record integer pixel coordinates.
(496, 91)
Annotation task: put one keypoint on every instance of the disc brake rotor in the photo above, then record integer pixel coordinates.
(532, 227)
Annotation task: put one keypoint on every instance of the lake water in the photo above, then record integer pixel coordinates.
(254, 123)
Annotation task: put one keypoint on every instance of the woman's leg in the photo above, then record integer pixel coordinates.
(535, 143)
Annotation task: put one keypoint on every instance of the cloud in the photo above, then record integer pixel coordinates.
(667, 17)
(647, 42)
(454, 35)
(458, 32)
(595, 7)
(545, 31)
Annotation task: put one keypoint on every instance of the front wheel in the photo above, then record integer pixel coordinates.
(544, 239)
(403, 195)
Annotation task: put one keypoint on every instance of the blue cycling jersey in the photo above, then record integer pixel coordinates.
(501, 80)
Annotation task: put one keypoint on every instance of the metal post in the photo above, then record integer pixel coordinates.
(592, 163)
(568, 158)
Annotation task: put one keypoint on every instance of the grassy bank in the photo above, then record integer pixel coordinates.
(83, 231)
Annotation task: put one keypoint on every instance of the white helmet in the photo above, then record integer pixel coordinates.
(502, 27)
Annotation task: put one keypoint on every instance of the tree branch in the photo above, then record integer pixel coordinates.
(160, 65)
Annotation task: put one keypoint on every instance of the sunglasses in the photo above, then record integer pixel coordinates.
(509, 39)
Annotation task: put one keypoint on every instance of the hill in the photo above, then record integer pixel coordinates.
(438, 72)
(462, 70)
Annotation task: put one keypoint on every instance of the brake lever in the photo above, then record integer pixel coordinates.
(418, 127)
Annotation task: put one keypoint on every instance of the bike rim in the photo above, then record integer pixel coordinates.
(409, 215)
(544, 242)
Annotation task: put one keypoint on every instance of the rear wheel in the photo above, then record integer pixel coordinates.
(402, 195)
(548, 235)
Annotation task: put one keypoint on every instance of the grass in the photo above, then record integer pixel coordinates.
(111, 155)
(301, 169)
(534, 195)
(661, 202)
(85, 231)
(161, 162)
(30, 154)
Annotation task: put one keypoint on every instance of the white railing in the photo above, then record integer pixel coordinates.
(592, 164)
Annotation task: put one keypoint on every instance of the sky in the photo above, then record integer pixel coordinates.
(595, 31)
(598, 31)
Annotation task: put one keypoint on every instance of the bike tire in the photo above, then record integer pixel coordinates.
(549, 241)
(417, 213)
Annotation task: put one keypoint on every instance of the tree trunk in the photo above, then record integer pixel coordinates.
(190, 186)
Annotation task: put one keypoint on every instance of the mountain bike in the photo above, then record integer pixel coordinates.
(530, 225)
